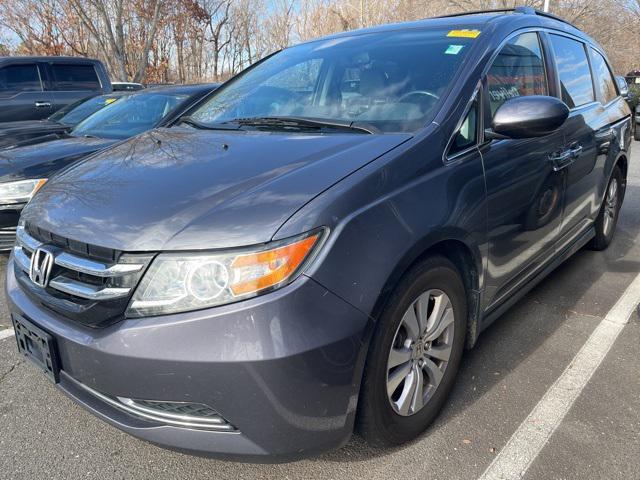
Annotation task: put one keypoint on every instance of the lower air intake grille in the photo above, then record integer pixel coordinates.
(175, 414)
(179, 414)
(196, 410)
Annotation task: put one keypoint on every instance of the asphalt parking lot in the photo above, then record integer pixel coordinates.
(43, 434)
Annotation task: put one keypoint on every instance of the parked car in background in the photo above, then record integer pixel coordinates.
(623, 88)
(32, 88)
(23, 170)
(13, 133)
(292, 262)
(126, 86)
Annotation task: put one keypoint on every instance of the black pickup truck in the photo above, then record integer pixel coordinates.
(32, 88)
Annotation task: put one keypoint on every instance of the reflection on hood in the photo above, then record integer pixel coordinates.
(181, 188)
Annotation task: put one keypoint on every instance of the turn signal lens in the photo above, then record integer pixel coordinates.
(257, 271)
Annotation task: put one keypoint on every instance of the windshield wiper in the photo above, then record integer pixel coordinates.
(305, 122)
(206, 126)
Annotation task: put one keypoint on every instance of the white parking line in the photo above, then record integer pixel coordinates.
(6, 333)
(531, 436)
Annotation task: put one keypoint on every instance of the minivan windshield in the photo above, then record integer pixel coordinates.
(130, 115)
(390, 80)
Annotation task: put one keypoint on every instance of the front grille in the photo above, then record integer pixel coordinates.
(7, 238)
(86, 283)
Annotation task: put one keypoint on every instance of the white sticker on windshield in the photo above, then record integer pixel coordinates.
(453, 49)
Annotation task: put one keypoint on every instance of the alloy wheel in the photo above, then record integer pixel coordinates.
(420, 352)
(610, 206)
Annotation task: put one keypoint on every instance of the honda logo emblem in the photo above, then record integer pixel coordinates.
(41, 265)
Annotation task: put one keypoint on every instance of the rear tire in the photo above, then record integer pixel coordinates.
(605, 224)
(419, 338)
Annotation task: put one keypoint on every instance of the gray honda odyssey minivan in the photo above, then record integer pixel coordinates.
(308, 251)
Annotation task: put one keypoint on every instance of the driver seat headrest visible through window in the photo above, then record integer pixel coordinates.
(374, 83)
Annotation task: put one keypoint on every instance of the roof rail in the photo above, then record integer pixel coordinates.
(522, 10)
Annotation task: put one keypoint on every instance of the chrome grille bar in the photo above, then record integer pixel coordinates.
(22, 259)
(26, 240)
(96, 269)
(85, 290)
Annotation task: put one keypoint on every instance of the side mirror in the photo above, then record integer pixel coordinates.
(623, 86)
(527, 117)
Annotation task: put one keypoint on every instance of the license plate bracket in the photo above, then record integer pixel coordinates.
(38, 346)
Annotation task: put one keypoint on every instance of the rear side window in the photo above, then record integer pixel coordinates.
(573, 69)
(74, 77)
(517, 71)
(605, 87)
(19, 78)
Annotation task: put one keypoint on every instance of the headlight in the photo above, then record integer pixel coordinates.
(177, 282)
(20, 191)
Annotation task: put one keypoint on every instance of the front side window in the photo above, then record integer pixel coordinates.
(605, 86)
(390, 80)
(130, 115)
(517, 71)
(573, 68)
(74, 77)
(19, 78)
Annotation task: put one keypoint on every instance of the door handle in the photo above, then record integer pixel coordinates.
(43, 104)
(576, 151)
(562, 159)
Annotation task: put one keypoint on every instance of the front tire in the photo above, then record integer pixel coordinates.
(414, 355)
(607, 220)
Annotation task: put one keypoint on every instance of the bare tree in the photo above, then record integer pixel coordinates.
(109, 22)
(198, 40)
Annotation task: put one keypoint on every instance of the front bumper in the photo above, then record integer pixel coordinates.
(283, 368)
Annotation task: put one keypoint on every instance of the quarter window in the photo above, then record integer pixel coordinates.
(517, 71)
(467, 135)
(19, 78)
(605, 87)
(75, 77)
(573, 69)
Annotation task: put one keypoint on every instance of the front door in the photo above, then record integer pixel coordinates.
(21, 93)
(524, 189)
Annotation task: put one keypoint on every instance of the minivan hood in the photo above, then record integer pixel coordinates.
(41, 159)
(187, 189)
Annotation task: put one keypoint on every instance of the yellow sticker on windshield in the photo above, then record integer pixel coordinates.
(109, 101)
(464, 33)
